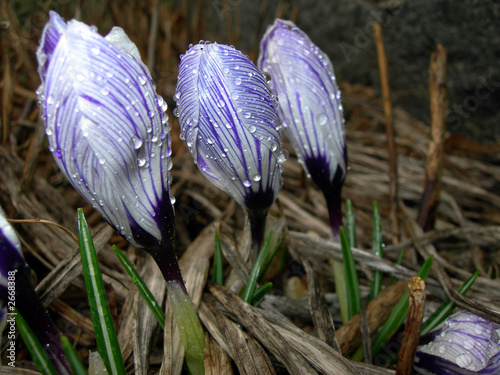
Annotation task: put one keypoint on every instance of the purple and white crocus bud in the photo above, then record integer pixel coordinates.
(109, 134)
(229, 121)
(309, 101)
(107, 129)
(18, 296)
(465, 344)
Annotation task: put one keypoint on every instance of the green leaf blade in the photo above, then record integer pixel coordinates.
(107, 342)
(36, 350)
(142, 287)
(377, 250)
(351, 276)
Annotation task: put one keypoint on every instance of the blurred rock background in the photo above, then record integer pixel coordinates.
(469, 29)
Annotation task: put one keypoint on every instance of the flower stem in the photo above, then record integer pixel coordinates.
(185, 316)
(334, 205)
(258, 229)
(29, 306)
(167, 262)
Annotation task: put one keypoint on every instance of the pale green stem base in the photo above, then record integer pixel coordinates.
(189, 326)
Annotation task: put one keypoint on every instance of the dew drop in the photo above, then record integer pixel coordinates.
(274, 147)
(141, 162)
(221, 103)
(235, 96)
(142, 79)
(136, 142)
(257, 177)
(247, 183)
(48, 132)
(102, 161)
(95, 51)
(252, 129)
(80, 77)
(464, 360)
(104, 91)
(210, 141)
(237, 81)
(58, 153)
(322, 119)
(247, 115)
(468, 344)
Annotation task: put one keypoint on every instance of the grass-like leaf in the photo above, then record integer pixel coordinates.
(107, 342)
(142, 287)
(255, 273)
(72, 357)
(270, 256)
(351, 276)
(398, 315)
(447, 307)
(35, 348)
(350, 224)
(260, 293)
(218, 271)
(340, 288)
(377, 249)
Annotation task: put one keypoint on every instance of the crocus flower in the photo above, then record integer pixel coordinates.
(18, 296)
(107, 129)
(465, 344)
(309, 101)
(229, 121)
(109, 134)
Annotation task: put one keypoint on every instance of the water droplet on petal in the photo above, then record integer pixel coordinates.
(464, 360)
(247, 115)
(322, 119)
(141, 162)
(136, 142)
(247, 183)
(257, 177)
(237, 81)
(95, 50)
(252, 129)
(142, 79)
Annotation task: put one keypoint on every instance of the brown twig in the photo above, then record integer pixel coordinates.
(416, 296)
(389, 128)
(434, 163)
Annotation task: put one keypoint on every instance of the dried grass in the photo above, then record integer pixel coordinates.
(287, 334)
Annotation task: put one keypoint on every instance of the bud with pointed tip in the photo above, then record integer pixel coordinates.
(309, 98)
(107, 128)
(229, 121)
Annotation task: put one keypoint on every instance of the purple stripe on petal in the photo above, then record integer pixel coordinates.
(107, 128)
(229, 121)
(309, 97)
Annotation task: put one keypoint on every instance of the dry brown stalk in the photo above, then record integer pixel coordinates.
(434, 163)
(416, 296)
(389, 128)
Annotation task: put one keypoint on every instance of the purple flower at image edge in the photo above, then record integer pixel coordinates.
(17, 295)
(465, 344)
(309, 98)
(229, 121)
